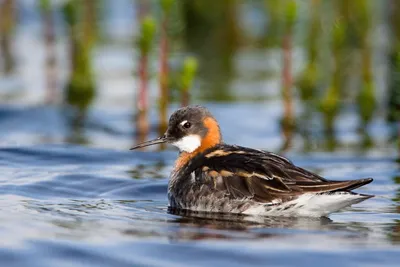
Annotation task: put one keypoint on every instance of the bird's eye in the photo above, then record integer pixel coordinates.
(187, 125)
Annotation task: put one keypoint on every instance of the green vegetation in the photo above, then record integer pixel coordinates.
(394, 66)
(320, 53)
(366, 99)
(80, 89)
(49, 36)
(145, 42)
(164, 95)
(189, 69)
(212, 32)
(7, 25)
(330, 102)
(307, 82)
(146, 37)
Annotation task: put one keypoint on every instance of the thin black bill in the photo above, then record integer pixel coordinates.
(159, 140)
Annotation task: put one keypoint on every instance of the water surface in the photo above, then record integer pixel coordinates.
(77, 205)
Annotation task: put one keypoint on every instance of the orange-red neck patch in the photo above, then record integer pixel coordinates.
(211, 139)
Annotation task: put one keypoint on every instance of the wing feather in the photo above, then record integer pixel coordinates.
(262, 176)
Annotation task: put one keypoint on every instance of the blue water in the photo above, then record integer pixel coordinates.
(96, 203)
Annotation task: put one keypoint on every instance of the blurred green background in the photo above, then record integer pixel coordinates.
(318, 60)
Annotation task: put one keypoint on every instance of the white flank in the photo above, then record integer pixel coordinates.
(309, 205)
(188, 143)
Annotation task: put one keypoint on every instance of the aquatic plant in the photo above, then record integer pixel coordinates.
(7, 25)
(329, 104)
(307, 81)
(394, 65)
(80, 89)
(366, 97)
(189, 69)
(49, 36)
(274, 12)
(288, 121)
(212, 33)
(394, 85)
(145, 41)
(166, 6)
(90, 21)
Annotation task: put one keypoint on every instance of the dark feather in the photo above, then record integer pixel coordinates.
(261, 176)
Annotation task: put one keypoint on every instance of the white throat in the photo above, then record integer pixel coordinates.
(188, 143)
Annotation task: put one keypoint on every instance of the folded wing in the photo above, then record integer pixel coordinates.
(262, 176)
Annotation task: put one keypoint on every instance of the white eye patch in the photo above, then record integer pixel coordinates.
(183, 122)
(188, 143)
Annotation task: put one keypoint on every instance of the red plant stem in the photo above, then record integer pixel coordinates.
(288, 121)
(7, 22)
(142, 100)
(164, 93)
(185, 97)
(142, 105)
(90, 20)
(51, 63)
(142, 124)
(143, 8)
(287, 76)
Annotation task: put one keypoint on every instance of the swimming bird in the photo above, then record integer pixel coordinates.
(211, 176)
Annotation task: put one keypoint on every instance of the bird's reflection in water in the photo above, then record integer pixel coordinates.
(204, 225)
(241, 221)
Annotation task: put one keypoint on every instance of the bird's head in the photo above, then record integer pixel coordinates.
(192, 129)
